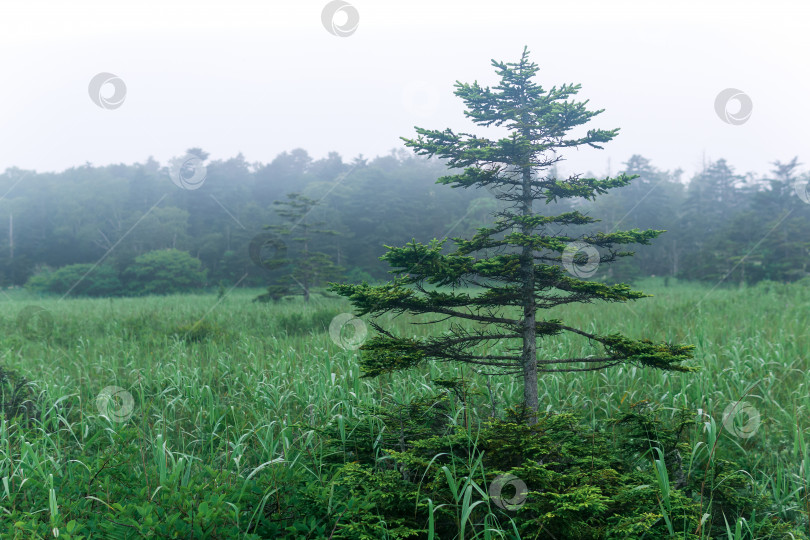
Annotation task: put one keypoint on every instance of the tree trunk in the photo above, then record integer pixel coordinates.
(529, 356)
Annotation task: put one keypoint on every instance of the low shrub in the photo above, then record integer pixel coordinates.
(78, 280)
(630, 478)
(167, 271)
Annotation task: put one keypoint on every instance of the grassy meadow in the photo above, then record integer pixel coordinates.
(225, 433)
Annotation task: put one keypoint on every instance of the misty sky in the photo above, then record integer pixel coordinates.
(261, 77)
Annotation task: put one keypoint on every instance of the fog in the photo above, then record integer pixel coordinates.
(235, 304)
(264, 77)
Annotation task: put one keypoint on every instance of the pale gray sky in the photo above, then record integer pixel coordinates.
(261, 77)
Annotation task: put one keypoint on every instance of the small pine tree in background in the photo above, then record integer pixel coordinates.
(519, 269)
(304, 268)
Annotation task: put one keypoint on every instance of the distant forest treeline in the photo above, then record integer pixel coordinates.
(720, 224)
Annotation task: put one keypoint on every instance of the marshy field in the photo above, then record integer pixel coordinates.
(211, 416)
(338, 270)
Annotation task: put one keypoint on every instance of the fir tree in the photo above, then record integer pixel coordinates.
(519, 267)
(303, 267)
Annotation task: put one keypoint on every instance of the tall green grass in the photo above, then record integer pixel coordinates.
(226, 385)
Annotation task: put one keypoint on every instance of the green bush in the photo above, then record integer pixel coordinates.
(166, 271)
(631, 478)
(79, 279)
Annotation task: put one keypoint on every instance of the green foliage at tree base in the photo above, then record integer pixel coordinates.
(635, 477)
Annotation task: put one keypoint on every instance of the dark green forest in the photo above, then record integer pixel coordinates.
(99, 225)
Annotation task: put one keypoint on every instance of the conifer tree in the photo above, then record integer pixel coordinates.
(498, 282)
(302, 266)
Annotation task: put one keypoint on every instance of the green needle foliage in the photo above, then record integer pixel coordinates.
(307, 267)
(515, 267)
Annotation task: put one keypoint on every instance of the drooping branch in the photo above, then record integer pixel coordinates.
(517, 265)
